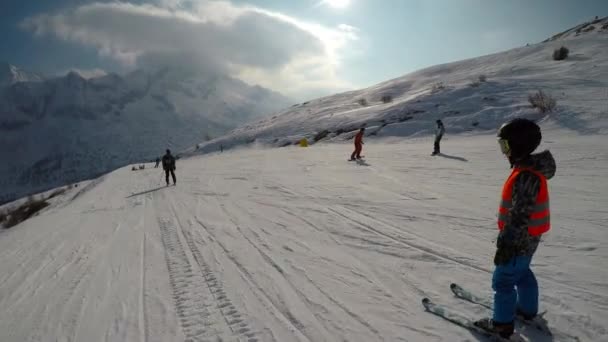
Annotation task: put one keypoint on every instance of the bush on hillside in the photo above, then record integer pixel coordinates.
(362, 102)
(483, 78)
(321, 135)
(57, 193)
(474, 84)
(23, 212)
(437, 87)
(561, 53)
(542, 101)
(387, 98)
(589, 29)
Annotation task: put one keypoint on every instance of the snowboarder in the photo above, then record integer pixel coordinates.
(358, 145)
(169, 166)
(522, 219)
(439, 131)
(157, 162)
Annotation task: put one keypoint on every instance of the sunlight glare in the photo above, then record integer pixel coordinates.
(338, 3)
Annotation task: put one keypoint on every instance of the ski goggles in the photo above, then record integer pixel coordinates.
(504, 146)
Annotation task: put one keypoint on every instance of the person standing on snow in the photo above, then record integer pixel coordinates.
(439, 131)
(169, 166)
(157, 162)
(522, 219)
(358, 145)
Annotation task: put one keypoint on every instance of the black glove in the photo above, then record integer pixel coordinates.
(505, 251)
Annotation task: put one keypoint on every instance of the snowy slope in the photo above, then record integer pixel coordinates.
(70, 128)
(297, 244)
(451, 92)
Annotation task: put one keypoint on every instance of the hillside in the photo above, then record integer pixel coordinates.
(65, 129)
(452, 92)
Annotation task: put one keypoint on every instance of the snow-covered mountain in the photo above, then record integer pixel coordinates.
(10, 74)
(453, 92)
(69, 128)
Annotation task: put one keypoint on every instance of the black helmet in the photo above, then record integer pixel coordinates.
(519, 138)
(168, 151)
(438, 121)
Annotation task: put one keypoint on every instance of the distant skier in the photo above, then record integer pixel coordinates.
(439, 131)
(157, 162)
(358, 145)
(522, 219)
(169, 166)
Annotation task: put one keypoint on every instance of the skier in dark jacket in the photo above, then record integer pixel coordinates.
(157, 162)
(523, 217)
(439, 131)
(169, 166)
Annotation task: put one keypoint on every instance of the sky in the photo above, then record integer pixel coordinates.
(302, 48)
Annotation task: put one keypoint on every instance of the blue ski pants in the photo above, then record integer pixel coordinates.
(515, 287)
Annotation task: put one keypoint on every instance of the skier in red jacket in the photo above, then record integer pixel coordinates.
(358, 145)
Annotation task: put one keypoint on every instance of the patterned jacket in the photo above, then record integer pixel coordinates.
(525, 191)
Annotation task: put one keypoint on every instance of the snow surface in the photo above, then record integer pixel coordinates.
(579, 84)
(297, 244)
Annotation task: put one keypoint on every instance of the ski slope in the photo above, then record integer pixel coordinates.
(297, 244)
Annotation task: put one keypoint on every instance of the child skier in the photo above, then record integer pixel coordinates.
(358, 145)
(522, 219)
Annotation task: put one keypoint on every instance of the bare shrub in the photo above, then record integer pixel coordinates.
(362, 102)
(474, 84)
(57, 193)
(321, 135)
(483, 78)
(542, 101)
(24, 211)
(589, 29)
(561, 53)
(387, 98)
(437, 87)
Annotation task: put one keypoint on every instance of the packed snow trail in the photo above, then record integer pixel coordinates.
(297, 244)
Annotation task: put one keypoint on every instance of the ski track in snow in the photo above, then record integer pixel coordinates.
(298, 245)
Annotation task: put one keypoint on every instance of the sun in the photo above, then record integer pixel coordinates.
(337, 3)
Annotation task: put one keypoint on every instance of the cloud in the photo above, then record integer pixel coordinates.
(260, 46)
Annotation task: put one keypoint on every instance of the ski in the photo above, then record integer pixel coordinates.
(538, 322)
(461, 293)
(465, 322)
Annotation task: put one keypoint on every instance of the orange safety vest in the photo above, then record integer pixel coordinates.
(540, 222)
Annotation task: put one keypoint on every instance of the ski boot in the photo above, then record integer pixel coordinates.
(504, 330)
